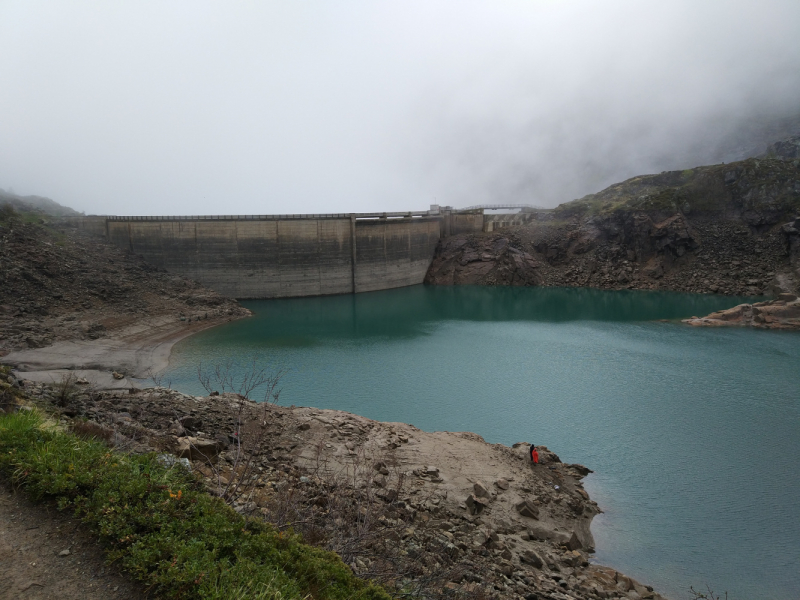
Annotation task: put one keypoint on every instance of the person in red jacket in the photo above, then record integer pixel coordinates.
(534, 455)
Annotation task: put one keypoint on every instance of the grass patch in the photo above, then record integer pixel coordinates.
(162, 528)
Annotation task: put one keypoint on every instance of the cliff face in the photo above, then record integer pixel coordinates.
(726, 229)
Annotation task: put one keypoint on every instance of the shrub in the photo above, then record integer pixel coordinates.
(162, 528)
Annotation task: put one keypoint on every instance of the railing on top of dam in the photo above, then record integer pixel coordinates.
(503, 206)
(381, 215)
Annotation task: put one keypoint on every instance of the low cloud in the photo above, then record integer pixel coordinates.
(174, 108)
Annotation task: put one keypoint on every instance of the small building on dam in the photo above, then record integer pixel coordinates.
(284, 256)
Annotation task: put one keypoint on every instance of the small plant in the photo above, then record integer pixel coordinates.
(249, 431)
(8, 215)
(8, 396)
(65, 389)
(89, 430)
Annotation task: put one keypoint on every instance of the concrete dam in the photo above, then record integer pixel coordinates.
(283, 256)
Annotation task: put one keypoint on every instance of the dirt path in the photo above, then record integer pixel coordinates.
(32, 540)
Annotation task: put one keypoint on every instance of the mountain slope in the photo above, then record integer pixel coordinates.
(715, 229)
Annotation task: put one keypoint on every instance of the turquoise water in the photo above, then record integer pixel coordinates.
(693, 434)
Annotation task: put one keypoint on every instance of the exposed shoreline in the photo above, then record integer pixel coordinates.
(135, 351)
(473, 517)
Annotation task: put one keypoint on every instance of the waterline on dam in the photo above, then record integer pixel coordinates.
(692, 433)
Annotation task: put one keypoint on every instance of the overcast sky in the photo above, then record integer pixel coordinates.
(305, 107)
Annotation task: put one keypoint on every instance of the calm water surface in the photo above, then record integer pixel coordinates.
(693, 434)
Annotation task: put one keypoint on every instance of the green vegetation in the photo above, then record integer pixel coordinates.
(760, 185)
(10, 216)
(162, 528)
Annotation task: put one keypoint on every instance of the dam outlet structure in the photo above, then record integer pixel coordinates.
(286, 256)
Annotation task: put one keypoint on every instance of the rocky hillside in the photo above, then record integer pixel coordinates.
(727, 229)
(437, 515)
(56, 284)
(787, 149)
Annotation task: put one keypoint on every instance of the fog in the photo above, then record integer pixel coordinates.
(311, 107)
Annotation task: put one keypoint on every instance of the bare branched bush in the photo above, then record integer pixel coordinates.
(250, 422)
(357, 511)
(8, 399)
(707, 595)
(225, 377)
(157, 377)
(360, 509)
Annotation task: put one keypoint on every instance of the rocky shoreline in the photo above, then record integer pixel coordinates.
(723, 229)
(442, 512)
(783, 313)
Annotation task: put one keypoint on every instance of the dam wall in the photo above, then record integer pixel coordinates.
(285, 255)
(457, 222)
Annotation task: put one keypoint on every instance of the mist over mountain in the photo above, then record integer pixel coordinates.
(179, 108)
(36, 203)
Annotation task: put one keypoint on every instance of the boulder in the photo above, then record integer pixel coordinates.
(540, 532)
(475, 505)
(581, 470)
(574, 543)
(177, 429)
(529, 557)
(526, 508)
(197, 448)
(573, 558)
(191, 423)
(480, 490)
(480, 538)
(502, 484)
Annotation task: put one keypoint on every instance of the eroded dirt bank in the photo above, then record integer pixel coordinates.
(445, 514)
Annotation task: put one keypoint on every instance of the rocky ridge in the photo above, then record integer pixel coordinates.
(445, 514)
(726, 229)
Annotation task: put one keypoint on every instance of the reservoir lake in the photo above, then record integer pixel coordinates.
(693, 433)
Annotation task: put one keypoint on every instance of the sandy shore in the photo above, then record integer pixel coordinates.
(135, 351)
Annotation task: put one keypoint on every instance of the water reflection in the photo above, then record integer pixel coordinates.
(409, 312)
